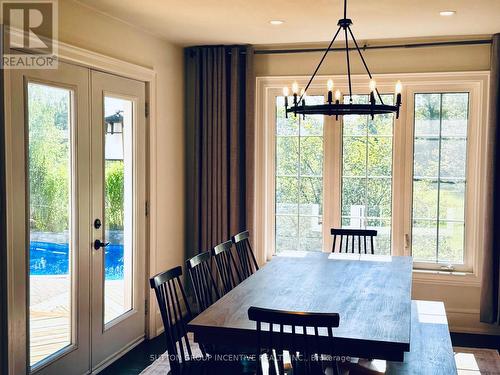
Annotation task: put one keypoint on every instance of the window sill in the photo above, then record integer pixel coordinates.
(438, 277)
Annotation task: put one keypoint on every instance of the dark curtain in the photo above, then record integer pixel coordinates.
(490, 290)
(219, 144)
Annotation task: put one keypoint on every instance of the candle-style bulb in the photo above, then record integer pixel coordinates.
(285, 94)
(399, 87)
(329, 85)
(295, 88)
(373, 85)
(337, 95)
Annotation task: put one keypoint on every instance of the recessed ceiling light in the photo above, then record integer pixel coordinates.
(447, 13)
(276, 22)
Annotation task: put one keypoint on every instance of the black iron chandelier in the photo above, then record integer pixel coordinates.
(335, 107)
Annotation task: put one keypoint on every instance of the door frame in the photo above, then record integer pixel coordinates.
(3, 233)
(17, 336)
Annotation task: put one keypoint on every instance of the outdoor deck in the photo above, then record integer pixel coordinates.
(50, 313)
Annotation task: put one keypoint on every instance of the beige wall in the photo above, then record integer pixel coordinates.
(415, 60)
(462, 302)
(86, 28)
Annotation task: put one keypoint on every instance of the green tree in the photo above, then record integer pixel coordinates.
(114, 194)
(49, 164)
(49, 158)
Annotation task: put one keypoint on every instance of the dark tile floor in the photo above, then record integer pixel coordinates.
(144, 354)
(138, 358)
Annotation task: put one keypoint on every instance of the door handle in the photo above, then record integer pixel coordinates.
(98, 244)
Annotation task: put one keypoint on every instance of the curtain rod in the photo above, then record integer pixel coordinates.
(367, 47)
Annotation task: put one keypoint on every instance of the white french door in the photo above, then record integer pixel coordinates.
(49, 217)
(118, 165)
(77, 180)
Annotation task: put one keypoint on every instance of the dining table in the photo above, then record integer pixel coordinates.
(371, 294)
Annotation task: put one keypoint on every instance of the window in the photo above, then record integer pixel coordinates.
(118, 215)
(408, 178)
(367, 173)
(439, 177)
(51, 220)
(299, 180)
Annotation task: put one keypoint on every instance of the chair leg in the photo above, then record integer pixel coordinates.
(272, 363)
(336, 370)
(332, 368)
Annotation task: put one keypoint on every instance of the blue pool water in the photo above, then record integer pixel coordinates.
(49, 258)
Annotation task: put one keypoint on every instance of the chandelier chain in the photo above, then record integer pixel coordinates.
(348, 64)
(321, 62)
(364, 62)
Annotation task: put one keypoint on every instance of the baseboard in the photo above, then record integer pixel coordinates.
(471, 340)
(467, 321)
(137, 359)
(108, 361)
(159, 331)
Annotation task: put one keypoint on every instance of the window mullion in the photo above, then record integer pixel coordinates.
(439, 175)
(299, 181)
(366, 172)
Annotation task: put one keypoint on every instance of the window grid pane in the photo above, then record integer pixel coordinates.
(367, 173)
(439, 183)
(299, 180)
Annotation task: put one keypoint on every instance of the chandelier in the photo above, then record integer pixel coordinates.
(335, 107)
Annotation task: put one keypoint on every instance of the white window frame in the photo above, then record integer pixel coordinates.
(475, 83)
(474, 162)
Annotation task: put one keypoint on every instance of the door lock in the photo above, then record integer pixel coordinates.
(98, 244)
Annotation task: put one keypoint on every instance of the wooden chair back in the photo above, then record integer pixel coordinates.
(246, 257)
(199, 269)
(175, 313)
(228, 272)
(301, 342)
(363, 237)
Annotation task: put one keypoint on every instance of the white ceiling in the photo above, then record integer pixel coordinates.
(190, 22)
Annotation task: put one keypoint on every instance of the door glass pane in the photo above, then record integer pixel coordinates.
(367, 173)
(118, 260)
(439, 183)
(50, 219)
(299, 179)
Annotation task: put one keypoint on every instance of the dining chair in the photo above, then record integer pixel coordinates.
(246, 257)
(206, 293)
(361, 235)
(228, 272)
(199, 269)
(175, 313)
(298, 341)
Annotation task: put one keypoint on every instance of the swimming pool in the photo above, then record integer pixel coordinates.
(51, 258)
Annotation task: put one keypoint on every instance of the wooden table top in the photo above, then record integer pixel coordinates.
(371, 293)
